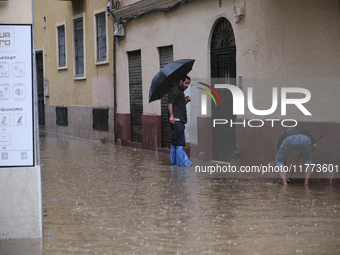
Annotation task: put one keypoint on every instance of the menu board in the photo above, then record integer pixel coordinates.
(16, 96)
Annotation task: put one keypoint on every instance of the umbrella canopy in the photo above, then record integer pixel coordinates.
(168, 77)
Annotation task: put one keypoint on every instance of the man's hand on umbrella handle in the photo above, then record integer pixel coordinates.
(187, 99)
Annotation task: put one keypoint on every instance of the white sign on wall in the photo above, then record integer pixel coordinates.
(16, 96)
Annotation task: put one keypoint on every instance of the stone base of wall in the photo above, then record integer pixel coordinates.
(151, 131)
(80, 123)
(20, 210)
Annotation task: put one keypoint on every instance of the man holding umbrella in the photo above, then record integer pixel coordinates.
(178, 118)
(173, 79)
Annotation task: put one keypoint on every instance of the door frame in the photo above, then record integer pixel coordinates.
(40, 88)
(224, 138)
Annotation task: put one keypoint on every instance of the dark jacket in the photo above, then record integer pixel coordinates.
(176, 97)
(289, 131)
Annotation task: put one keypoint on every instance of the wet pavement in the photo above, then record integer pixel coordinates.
(98, 199)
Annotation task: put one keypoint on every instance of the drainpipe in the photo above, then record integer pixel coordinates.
(109, 8)
(114, 88)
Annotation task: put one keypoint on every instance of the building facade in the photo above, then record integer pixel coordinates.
(260, 44)
(74, 68)
(20, 172)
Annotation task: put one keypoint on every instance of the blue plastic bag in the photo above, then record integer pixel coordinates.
(173, 155)
(181, 157)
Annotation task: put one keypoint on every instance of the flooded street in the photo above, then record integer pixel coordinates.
(98, 199)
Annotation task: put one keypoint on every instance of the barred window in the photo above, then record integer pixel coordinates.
(100, 119)
(61, 116)
(61, 46)
(101, 36)
(79, 47)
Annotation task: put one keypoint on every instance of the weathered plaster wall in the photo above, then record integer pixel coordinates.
(276, 39)
(16, 12)
(21, 203)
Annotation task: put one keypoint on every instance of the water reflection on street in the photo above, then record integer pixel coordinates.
(98, 199)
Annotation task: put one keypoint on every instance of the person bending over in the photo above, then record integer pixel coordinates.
(295, 139)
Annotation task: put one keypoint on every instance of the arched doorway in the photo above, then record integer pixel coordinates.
(223, 71)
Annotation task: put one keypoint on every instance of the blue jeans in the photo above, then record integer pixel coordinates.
(177, 131)
(292, 143)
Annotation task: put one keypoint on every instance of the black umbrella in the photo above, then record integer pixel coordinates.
(168, 77)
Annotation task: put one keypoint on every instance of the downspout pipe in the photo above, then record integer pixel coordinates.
(109, 12)
(114, 88)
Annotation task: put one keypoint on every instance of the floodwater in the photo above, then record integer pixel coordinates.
(98, 199)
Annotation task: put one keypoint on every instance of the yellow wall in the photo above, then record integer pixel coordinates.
(16, 12)
(97, 88)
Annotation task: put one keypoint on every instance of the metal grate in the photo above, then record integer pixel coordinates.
(61, 115)
(223, 35)
(100, 119)
(40, 84)
(136, 95)
(165, 57)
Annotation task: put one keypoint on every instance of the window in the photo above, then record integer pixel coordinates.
(100, 119)
(100, 37)
(61, 46)
(61, 116)
(79, 46)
